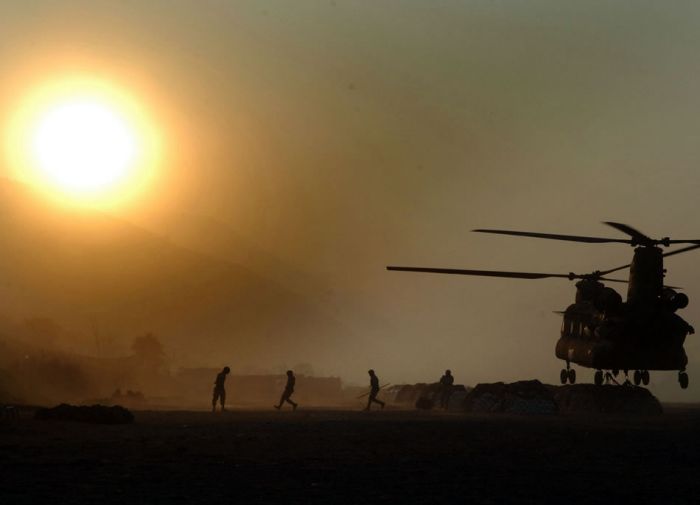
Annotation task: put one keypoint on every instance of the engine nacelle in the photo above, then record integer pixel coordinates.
(673, 300)
(608, 300)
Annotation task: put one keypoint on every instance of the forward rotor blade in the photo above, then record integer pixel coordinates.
(606, 272)
(613, 280)
(638, 236)
(484, 273)
(553, 236)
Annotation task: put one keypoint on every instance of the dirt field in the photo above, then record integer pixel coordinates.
(353, 457)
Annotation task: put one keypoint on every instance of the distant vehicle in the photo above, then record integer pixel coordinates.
(600, 330)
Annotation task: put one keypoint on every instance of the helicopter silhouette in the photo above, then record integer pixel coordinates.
(600, 330)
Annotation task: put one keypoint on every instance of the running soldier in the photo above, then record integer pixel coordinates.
(219, 389)
(374, 390)
(288, 391)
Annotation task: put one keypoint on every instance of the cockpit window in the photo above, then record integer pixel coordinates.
(566, 327)
(586, 331)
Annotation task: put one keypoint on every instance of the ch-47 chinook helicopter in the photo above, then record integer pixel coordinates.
(602, 332)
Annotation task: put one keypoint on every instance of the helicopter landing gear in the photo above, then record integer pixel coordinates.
(683, 379)
(627, 378)
(637, 377)
(567, 375)
(564, 375)
(608, 379)
(641, 377)
(598, 378)
(645, 377)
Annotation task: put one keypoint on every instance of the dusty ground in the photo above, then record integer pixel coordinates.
(352, 457)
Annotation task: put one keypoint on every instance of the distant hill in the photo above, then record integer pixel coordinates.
(88, 270)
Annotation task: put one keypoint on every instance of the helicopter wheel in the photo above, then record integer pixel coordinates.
(564, 375)
(637, 377)
(645, 377)
(598, 378)
(572, 376)
(683, 380)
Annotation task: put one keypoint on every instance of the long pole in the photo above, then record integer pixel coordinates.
(368, 392)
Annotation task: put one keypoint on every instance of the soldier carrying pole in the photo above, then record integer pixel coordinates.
(374, 390)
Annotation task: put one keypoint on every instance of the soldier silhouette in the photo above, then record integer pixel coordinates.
(288, 390)
(446, 382)
(373, 390)
(219, 389)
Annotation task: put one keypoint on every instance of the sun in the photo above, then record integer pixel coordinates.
(84, 145)
(83, 140)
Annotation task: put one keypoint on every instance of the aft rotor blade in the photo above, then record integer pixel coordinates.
(640, 239)
(682, 250)
(554, 236)
(690, 241)
(638, 236)
(665, 255)
(484, 273)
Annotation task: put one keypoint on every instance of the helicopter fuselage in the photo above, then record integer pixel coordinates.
(644, 333)
(625, 342)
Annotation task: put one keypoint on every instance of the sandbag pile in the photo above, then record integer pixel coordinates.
(95, 414)
(458, 399)
(424, 403)
(523, 397)
(430, 396)
(409, 393)
(533, 397)
(606, 399)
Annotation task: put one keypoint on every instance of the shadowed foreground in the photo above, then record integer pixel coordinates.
(353, 457)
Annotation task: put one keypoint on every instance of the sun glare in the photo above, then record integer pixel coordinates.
(84, 145)
(83, 141)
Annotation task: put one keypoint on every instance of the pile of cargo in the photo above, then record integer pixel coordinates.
(533, 397)
(523, 397)
(425, 396)
(606, 399)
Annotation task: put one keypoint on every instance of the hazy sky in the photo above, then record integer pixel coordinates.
(344, 136)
